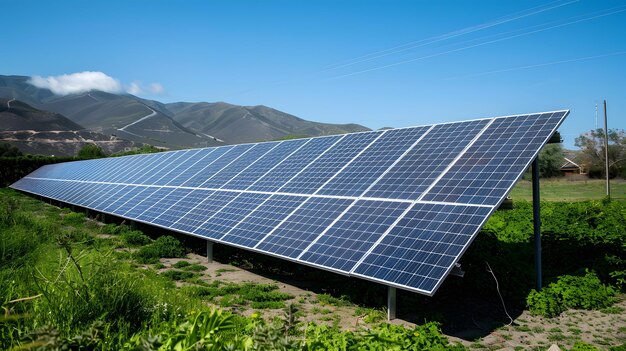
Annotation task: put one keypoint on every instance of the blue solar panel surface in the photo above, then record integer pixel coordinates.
(398, 206)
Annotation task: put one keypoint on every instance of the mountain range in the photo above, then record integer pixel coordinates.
(170, 125)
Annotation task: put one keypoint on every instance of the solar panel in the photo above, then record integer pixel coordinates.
(397, 206)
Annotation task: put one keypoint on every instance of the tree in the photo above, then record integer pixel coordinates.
(8, 150)
(592, 153)
(550, 161)
(90, 151)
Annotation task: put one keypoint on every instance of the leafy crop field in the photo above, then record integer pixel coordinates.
(70, 282)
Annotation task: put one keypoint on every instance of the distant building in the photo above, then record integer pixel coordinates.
(570, 168)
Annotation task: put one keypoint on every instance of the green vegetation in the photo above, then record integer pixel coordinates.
(163, 247)
(90, 151)
(144, 149)
(63, 286)
(13, 169)
(550, 161)
(8, 150)
(586, 292)
(564, 189)
(592, 152)
(135, 238)
(576, 237)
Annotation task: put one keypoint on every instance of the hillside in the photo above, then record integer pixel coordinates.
(173, 125)
(16, 115)
(35, 131)
(238, 124)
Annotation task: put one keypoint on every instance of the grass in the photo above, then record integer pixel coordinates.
(122, 298)
(563, 189)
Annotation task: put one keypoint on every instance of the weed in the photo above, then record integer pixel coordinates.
(612, 310)
(163, 247)
(326, 299)
(575, 331)
(178, 275)
(556, 337)
(74, 218)
(195, 268)
(135, 238)
(586, 292)
(181, 264)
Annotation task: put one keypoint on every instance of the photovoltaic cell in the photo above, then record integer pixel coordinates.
(227, 173)
(372, 163)
(102, 202)
(322, 169)
(190, 157)
(484, 174)
(129, 193)
(414, 173)
(424, 245)
(262, 220)
(398, 206)
(131, 199)
(178, 158)
(177, 211)
(207, 172)
(170, 197)
(300, 229)
(348, 239)
(292, 165)
(196, 170)
(230, 215)
(272, 159)
(197, 215)
(142, 205)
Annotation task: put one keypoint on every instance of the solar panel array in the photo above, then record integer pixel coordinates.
(398, 206)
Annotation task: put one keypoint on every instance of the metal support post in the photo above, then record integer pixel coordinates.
(209, 251)
(606, 154)
(391, 303)
(537, 223)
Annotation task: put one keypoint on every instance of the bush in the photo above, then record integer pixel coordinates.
(90, 151)
(164, 247)
(586, 292)
(135, 238)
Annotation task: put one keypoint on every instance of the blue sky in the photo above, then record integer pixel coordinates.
(376, 63)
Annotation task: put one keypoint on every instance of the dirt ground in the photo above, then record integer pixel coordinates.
(476, 329)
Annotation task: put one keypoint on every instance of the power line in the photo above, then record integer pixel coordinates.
(424, 42)
(612, 11)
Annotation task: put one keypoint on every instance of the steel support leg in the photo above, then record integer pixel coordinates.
(391, 303)
(209, 251)
(537, 224)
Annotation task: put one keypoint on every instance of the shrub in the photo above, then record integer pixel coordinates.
(163, 247)
(74, 218)
(178, 275)
(112, 229)
(583, 346)
(181, 264)
(135, 238)
(586, 292)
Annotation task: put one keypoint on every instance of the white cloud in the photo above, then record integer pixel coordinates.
(82, 82)
(134, 88)
(137, 88)
(156, 88)
(77, 83)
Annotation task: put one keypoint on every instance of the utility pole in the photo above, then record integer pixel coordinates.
(606, 153)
